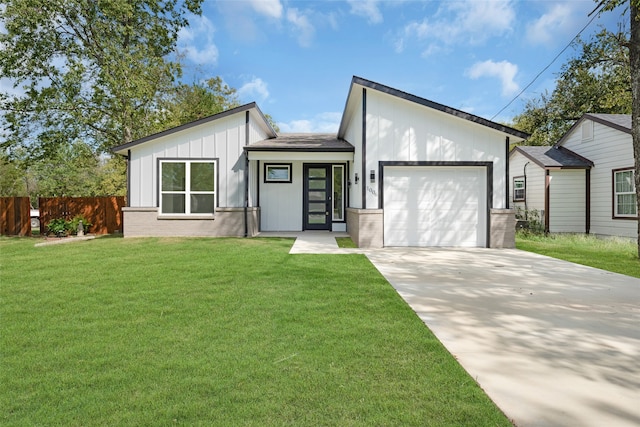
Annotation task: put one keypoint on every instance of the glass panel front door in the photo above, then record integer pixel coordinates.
(317, 197)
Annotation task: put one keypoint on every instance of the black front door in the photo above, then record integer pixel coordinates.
(317, 197)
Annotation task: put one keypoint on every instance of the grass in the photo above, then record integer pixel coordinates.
(345, 242)
(217, 332)
(616, 255)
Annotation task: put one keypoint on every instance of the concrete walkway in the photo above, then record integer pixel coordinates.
(551, 342)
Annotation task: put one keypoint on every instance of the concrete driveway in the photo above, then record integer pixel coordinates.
(551, 342)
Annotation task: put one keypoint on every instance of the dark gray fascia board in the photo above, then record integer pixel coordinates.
(434, 105)
(246, 107)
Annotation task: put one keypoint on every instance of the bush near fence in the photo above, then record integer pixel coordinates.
(15, 216)
(103, 213)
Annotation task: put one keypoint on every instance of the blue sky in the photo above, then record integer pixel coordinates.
(296, 58)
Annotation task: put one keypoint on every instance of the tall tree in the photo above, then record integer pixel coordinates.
(634, 61)
(86, 69)
(596, 79)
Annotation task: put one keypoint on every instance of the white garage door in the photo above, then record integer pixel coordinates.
(435, 206)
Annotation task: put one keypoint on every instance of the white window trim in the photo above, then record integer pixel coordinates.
(616, 214)
(524, 188)
(187, 192)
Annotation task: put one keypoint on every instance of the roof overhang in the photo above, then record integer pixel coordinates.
(355, 96)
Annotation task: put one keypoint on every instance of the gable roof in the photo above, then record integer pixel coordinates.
(326, 142)
(553, 157)
(427, 103)
(251, 107)
(621, 122)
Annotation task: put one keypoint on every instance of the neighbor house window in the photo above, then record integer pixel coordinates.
(624, 194)
(277, 172)
(187, 187)
(519, 189)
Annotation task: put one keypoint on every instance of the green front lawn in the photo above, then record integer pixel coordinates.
(217, 332)
(616, 255)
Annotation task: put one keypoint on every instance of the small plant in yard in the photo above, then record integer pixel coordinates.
(530, 220)
(58, 226)
(73, 224)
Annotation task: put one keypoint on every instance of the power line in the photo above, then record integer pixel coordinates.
(593, 17)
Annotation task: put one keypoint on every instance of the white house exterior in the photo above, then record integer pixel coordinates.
(401, 171)
(554, 182)
(589, 191)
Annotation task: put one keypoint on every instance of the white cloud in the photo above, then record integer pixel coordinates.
(544, 29)
(368, 9)
(303, 27)
(270, 8)
(254, 90)
(503, 70)
(196, 41)
(460, 22)
(321, 123)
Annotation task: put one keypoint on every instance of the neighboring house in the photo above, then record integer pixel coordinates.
(401, 171)
(584, 183)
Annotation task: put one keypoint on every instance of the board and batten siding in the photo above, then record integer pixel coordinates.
(281, 202)
(567, 200)
(609, 149)
(534, 186)
(398, 130)
(353, 135)
(222, 139)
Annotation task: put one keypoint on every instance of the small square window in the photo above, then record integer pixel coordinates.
(519, 189)
(277, 172)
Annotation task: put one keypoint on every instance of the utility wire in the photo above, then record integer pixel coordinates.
(595, 15)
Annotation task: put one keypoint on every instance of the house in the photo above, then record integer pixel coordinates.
(401, 171)
(582, 184)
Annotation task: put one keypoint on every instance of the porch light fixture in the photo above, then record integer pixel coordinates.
(372, 176)
(357, 177)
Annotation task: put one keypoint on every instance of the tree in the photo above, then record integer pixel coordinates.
(189, 102)
(634, 61)
(90, 70)
(597, 79)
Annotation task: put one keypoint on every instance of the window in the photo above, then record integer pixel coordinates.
(187, 187)
(587, 130)
(519, 189)
(277, 172)
(338, 193)
(624, 194)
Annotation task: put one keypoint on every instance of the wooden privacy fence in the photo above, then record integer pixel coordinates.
(15, 217)
(103, 213)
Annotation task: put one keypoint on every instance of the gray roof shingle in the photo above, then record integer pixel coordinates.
(302, 142)
(555, 157)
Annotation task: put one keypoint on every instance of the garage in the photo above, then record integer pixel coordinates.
(435, 206)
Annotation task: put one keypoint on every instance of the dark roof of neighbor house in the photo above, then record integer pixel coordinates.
(554, 157)
(621, 122)
(436, 106)
(121, 149)
(302, 142)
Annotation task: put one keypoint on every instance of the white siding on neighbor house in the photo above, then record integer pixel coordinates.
(609, 149)
(281, 202)
(222, 139)
(567, 200)
(534, 187)
(400, 130)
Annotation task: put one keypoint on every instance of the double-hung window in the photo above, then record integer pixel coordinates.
(519, 189)
(624, 194)
(187, 187)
